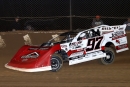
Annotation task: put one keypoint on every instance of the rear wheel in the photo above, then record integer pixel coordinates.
(56, 62)
(110, 56)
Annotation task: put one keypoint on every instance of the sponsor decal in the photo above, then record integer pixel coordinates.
(63, 46)
(109, 28)
(77, 53)
(116, 27)
(76, 45)
(118, 34)
(106, 28)
(31, 55)
(88, 55)
(93, 54)
(80, 49)
(23, 60)
(121, 46)
(77, 57)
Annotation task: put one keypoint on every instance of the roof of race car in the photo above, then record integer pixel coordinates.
(69, 33)
(75, 32)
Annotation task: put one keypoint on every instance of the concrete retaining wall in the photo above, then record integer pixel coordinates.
(14, 40)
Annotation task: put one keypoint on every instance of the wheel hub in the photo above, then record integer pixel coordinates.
(54, 63)
(108, 57)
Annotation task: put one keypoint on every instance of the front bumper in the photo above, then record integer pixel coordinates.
(39, 69)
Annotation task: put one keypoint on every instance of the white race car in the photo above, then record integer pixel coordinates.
(73, 46)
(98, 42)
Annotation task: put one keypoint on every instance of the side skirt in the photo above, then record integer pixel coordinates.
(87, 57)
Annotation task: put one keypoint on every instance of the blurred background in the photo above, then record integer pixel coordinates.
(45, 15)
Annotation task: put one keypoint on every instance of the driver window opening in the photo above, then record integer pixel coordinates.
(89, 34)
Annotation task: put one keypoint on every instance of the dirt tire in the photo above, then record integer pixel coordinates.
(56, 62)
(110, 56)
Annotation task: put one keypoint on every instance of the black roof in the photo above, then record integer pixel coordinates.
(69, 33)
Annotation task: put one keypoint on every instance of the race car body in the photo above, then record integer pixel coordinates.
(73, 46)
(32, 58)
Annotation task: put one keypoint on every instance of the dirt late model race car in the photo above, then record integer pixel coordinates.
(100, 42)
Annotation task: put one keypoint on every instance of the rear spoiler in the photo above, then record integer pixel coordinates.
(107, 29)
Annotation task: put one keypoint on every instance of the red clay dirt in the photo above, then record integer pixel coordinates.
(88, 74)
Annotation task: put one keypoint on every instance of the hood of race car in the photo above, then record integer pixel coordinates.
(32, 56)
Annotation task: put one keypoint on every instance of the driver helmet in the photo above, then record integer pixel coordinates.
(83, 36)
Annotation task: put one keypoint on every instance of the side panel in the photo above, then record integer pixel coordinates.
(85, 50)
(33, 56)
(118, 38)
(78, 57)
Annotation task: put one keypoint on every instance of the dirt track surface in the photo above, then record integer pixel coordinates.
(88, 74)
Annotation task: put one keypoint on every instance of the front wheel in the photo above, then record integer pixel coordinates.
(110, 56)
(56, 62)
